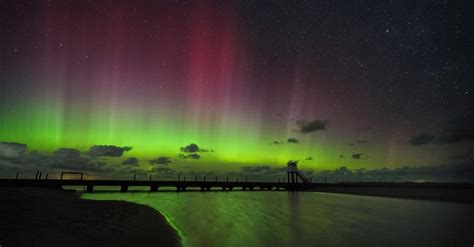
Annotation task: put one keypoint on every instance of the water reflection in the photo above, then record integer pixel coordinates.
(295, 217)
(307, 219)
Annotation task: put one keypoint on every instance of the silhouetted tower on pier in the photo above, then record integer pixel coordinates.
(293, 173)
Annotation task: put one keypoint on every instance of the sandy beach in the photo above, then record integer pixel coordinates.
(42, 217)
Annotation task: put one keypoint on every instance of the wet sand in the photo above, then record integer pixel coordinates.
(42, 217)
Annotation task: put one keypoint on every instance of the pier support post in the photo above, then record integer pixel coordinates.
(123, 188)
(154, 188)
(90, 188)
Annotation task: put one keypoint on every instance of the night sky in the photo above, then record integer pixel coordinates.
(237, 87)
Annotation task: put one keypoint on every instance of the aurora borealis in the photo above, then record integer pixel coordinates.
(252, 83)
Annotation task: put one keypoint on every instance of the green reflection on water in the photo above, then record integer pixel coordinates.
(305, 219)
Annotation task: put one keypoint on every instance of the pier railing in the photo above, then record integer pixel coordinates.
(203, 184)
(154, 185)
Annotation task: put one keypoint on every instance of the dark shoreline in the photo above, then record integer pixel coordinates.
(44, 217)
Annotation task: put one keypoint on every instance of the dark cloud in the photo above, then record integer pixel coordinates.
(421, 139)
(11, 163)
(191, 148)
(61, 159)
(278, 142)
(358, 156)
(66, 153)
(293, 140)
(108, 150)
(28, 162)
(12, 149)
(305, 126)
(132, 161)
(70, 159)
(35, 158)
(161, 161)
(341, 156)
(192, 151)
(457, 130)
(309, 158)
(194, 148)
(190, 156)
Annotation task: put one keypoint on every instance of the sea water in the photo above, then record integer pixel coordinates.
(272, 218)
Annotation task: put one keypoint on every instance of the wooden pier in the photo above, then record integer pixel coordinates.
(179, 185)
